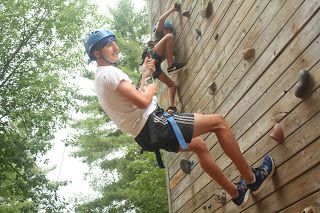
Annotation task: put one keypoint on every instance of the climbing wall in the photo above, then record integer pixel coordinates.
(246, 61)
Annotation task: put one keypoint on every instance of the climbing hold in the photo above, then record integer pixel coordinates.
(186, 166)
(207, 9)
(177, 6)
(220, 197)
(186, 13)
(213, 88)
(248, 53)
(308, 210)
(314, 208)
(216, 36)
(198, 34)
(277, 133)
(302, 85)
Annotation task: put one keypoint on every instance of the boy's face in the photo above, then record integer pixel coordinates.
(110, 52)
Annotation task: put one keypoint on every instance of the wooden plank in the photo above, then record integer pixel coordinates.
(229, 24)
(232, 10)
(299, 188)
(182, 29)
(210, 106)
(155, 11)
(306, 60)
(163, 89)
(168, 190)
(232, 76)
(215, 22)
(305, 13)
(286, 170)
(301, 205)
(284, 57)
(238, 119)
(182, 33)
(184, 51)
(265, 123)
(188, 34)
(203, 41)
(233, 51)
(291, 122)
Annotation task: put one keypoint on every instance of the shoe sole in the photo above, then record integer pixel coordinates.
(245, 200)
(175, 71)
(264, 183)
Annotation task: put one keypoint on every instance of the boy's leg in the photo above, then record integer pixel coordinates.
(257, 179)
(239, 192)
(207, 163)
(171, 85)
(165, 47)
(217, 124)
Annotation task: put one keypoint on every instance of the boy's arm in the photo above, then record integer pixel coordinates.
(164, 16)
(141, 99)
(148, 67)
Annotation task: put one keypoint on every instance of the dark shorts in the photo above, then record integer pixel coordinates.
(158, 134)
(158, 59)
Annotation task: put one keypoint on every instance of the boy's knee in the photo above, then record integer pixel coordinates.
(169, 36)
(198, 145)
(220, 122)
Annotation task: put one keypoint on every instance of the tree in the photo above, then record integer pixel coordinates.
(137, 182)
(132, 29)
(37, 56)
(130, 181)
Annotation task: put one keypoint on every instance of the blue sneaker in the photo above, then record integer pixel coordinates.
(243, 196)
(263, 174)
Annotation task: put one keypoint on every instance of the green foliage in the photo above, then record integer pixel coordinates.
(131, 28)
(130, 181)
(38, 54)
(137, 183)
(140, 185)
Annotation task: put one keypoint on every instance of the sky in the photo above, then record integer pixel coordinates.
(66, 167)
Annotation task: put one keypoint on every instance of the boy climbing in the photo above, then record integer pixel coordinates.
(135, 111)
(161, 48)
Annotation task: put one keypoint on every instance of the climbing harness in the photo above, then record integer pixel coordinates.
(178, 135)
(176, 130)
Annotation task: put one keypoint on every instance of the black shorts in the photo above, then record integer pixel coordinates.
(157, 133)
(158, 59)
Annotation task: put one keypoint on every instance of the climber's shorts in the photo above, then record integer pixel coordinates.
(158, 60)
(157, 133)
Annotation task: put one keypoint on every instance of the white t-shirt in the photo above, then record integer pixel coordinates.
(128, 117)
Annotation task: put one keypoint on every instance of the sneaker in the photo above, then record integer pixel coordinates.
(175, 67)
(243, 196)
(263, 174)
(171, 110)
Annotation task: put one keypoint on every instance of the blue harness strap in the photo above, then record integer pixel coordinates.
(176, 130)
(178, 135)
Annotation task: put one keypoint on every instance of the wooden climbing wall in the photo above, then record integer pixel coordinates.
(252, 94)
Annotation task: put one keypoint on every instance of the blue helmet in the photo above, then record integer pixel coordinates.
(167, 25)
(94, 37)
